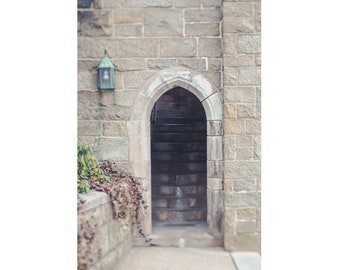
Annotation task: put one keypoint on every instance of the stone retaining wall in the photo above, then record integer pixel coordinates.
(113, 237)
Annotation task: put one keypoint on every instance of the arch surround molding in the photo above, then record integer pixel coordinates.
(139, 134)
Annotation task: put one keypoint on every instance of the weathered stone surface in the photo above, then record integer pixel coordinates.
(89, 128)
(214, 78)
(238, 61)
(249, 76)
(242, 169)
(114, 113)
(242, 242)
(202, 29)
(212, 3)
(244, 154)
(125, 98)
(258, 60)
(242, 199)
(116, 48)
(214, 128)
(230, 76)
(258, 102)
(237, 10)
(188, 3)
(214, 148)
(131, 15)
(258, 16)
(240, 95)
(244, 185)
(229, 221)
(161, 63)
(229, 44)
(246, 214)
(249, 44)
(233, 126)
(214, 168)
(215, 183)
(88, 99)
(133, 80)
(209, 47)
(102, 239)
(246, 111)
(244, 141)
(110, 259)
(161, 22)
(257, 147)
(136, 3)
(238, 24)
(114, 128)
(95, 23)
(203, 15)
(215, 210)
(88, 65)
(107, 210)
(229, 148)
(196, 64)
(246, 227)
(253, 127)
(84, 80)
(128, 30)
(258, 220)
(214, 64)
(115, 148)
(229, 110)
(129, 64)
(181, 47)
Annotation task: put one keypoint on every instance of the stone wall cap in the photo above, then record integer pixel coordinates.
(93, 199)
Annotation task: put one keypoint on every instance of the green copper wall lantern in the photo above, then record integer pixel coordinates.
(106, 74)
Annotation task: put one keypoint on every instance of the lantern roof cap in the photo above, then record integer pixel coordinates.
(105, 62)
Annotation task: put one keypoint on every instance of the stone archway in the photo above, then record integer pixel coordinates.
(139, 133)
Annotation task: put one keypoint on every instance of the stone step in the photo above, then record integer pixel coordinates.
(178, 203)
(179, 137)
(177, 215)
(179, 180)
(178, 156)
(175, 147)
(179, 191)
(182, 235)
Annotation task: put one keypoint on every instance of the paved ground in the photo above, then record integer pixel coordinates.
(170, 258)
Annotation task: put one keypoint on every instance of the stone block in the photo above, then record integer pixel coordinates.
(214, 64)
(215, 183)
(244, 141)
(246, 111)
(129, 64)
(229, 43)
(230, 76)
(214, 168)
(117, 48)
(237, 10)
(128, 15)
(229, 148)
(128, 30)
(229, 221)
(161, 63)
(228, 185)
(246, 227)
(244, 185)
(246, 214)
(112, 235)
(238, 25)
(214, 128)
(198, 64)
(163, 22)
(115, 128)
(211, 3)
(178, 47)
(115, 148)
(214, 78)
(242, 169)
(202, 29)
(242, 242)
(95, 23)
(258, 102)
(244, 154)
(97, 4)
(258, 60)
(215, 212)
(114, 113)
(258, 220)
(229, 110)
(134, 79)
(87, 65)
(242, 199)
(253, 127)
(89, 128)
(110, 259)
(102, 238)
(233, 126)
(107, 212)
(136, 3)
(249, 76)
(258, 17)
(209, 47)
(125, 98)
(249, 44)
(84, 80)
(238, 61)
(257, 147)
(188, 3)
(214, 148)
(203, 15)
(240, 95)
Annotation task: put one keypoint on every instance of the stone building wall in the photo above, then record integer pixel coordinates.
(112, 237)
(219, 40)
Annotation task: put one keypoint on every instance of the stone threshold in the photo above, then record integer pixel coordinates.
(246, 260)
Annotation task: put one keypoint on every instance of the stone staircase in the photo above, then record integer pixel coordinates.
(178, 154)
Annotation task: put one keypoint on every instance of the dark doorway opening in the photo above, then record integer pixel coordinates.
(178, 159)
